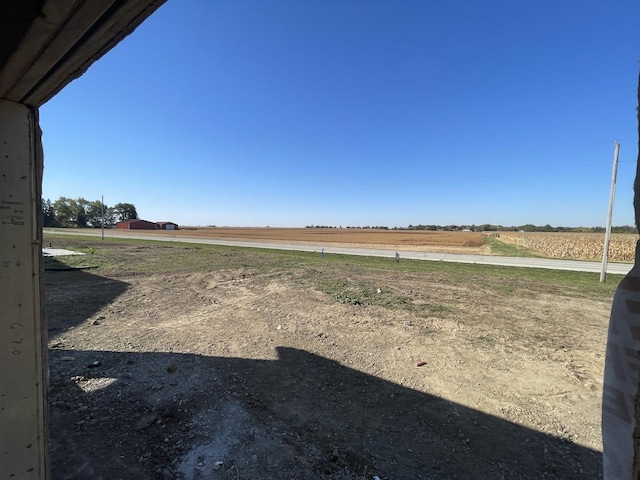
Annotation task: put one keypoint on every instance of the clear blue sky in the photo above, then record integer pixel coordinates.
(363, 112)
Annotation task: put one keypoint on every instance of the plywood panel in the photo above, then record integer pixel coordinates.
(23, 384)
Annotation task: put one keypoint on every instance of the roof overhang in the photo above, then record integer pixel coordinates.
(45, 44)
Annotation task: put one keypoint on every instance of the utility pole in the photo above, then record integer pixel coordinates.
(102, 204)
(607, 235)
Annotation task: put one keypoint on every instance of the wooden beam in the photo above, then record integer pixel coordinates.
(60, 25)
(23, 345)
(63, 42)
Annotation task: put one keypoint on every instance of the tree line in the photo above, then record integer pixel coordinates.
(82, 213)
(496, 228)
(522, 228)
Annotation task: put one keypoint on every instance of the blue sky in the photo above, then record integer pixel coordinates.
(363, 112)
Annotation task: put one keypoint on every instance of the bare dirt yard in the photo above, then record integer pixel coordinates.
(176, 361)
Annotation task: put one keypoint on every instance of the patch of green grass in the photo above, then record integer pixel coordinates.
(438, 310)
(486, 340)
(361, 293)
(505, 288)
(122, 257)
(364, 292)
(509, 250)
(342, 291)
(71, 262)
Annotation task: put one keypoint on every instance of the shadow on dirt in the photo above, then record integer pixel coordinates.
(154, 415)
(145, 415)
(73, 295)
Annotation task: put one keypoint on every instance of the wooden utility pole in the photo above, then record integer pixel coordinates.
(607, 235)
(102, 204)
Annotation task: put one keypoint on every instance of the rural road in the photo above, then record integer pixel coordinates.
(548, 263)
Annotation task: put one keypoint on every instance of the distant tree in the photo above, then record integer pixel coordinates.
(70, 212)
(124, 211)
(63, 211)
(110, 217)
(94, 214)
(489, 228)
(81, 212)
(48, 214)
(624, 229)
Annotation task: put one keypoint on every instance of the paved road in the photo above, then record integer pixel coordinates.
(551, 264)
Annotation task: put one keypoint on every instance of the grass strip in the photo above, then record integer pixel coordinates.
(120, 257)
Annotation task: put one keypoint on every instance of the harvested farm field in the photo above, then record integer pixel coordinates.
(176, 361)
(468, 242)
(566, 245)
(583, 246)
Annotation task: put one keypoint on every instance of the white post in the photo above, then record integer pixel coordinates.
(23, 334)
(607, 235)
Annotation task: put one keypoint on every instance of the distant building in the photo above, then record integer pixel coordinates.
(136, 224)
(167, 226)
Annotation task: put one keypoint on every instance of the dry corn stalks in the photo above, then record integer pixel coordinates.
(583, 246)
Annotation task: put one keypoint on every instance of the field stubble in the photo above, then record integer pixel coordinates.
(419, 240)
(577, 246)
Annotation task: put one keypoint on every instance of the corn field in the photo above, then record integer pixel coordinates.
(583, 246)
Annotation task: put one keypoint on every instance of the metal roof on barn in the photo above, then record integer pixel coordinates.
(132, 220)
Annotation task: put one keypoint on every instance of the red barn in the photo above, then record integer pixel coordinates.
(136, 224)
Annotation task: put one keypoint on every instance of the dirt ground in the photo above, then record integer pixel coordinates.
(253, 365)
